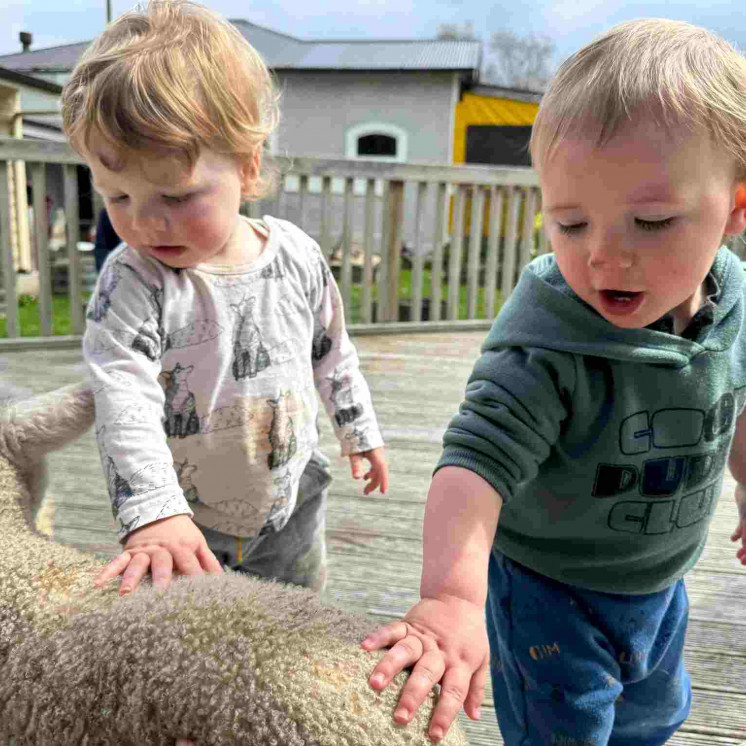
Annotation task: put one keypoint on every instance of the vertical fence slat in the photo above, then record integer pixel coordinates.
(278, 206)
(41, 230)
(475, 250)
(370, 214)
(72, 211)
(544, 247)
(326, 230)
(436, 266)
(382, 283)
(529, 215)
(302, 192)
(396, 232)
(493, 249)
(7, 265)
(346, 268)
(510, 249)
(454, 263)
(418, 258)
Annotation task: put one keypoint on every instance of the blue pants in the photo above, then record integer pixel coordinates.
(572, 667)
(297, 552)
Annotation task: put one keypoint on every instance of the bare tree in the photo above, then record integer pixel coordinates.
(519, 62)
(454, 31)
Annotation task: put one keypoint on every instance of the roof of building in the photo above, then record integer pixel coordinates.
(29, 80)
(283, 52)
(516, 94)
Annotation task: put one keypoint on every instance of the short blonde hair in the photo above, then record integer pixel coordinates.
(172, 76)
(681, 76)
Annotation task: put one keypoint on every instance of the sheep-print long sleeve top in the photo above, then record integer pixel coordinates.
(205, 383)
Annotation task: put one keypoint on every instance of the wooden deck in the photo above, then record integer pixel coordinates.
(417, 382)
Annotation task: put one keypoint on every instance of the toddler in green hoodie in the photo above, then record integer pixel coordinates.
(577, 481)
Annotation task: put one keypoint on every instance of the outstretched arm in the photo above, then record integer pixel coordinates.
(444, 635)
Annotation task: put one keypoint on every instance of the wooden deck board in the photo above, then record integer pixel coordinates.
(374, 542)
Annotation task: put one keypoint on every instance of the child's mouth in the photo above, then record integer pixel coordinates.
(621, 302)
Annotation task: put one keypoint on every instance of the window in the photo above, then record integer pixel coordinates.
(377, 145)
(377, 140)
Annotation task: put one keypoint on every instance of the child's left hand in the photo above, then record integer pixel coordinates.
(740, 532)
(377, 475)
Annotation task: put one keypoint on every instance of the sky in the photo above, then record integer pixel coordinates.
(569, 23)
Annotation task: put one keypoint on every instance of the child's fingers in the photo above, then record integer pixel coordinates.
(186, 561)
(453, 691)
(427, 672)
(116, 567)
(161, 569)
(134, 573)
(385, 636)
(356, 465)
(473, 703)
(208, 560)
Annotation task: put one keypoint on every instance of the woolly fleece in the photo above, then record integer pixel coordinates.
(218, 659)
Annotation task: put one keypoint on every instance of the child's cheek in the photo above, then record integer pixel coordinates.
(203, 225)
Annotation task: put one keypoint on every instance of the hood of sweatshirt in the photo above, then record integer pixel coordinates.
(543, 311)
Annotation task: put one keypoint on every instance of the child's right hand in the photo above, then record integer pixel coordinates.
(170, 545)
(445, 639)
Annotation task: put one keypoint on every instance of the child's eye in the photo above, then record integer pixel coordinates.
(570, 229)
(117, 200)
(653, 225)
(177, 199)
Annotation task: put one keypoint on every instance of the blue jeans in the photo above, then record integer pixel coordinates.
(294, 554)
(573, 667)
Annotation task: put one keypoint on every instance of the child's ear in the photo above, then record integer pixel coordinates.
(250, 170)
(737, 219)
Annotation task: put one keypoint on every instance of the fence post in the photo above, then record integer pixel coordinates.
(475, 251)
(72, 211)
(493, 249)
(393, 249)
(41, 229)
(370, 213)
(345, 270)
(418, 259)
(436, 266)
(7, 265)
(454, 259)
(510, 249)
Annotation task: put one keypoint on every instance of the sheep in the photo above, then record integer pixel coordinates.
(217, 659)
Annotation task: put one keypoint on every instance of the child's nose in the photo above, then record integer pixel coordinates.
(149, 218)
(609, 251)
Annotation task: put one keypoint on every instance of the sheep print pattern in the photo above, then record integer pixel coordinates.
(206, 380)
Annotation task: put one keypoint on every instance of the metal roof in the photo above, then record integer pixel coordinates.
(283, 52)
(57, 59)
(29, 80)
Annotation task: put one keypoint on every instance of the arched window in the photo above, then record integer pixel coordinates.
(377, 145)
(377, 140)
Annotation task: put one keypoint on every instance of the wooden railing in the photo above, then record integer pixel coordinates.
(407, 242)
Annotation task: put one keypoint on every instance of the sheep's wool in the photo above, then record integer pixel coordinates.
(220, 660)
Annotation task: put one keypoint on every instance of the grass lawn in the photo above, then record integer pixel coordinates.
(28, 307)
(28, 316)
(405, 293)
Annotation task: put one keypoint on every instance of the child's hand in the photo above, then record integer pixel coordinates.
(377, 475)
(171, 545)
(446, 641)
(740, 532)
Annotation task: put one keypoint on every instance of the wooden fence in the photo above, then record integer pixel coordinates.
(378, 223)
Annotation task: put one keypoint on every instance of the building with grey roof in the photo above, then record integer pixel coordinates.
(340, 98)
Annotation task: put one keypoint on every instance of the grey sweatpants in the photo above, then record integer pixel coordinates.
(297, 552)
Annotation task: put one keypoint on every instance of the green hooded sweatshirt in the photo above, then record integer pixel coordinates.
(607, 445)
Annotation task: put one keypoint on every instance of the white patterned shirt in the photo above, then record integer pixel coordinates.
(206, 383)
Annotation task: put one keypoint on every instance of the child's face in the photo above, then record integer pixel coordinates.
(180, 217)
(635, 225)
